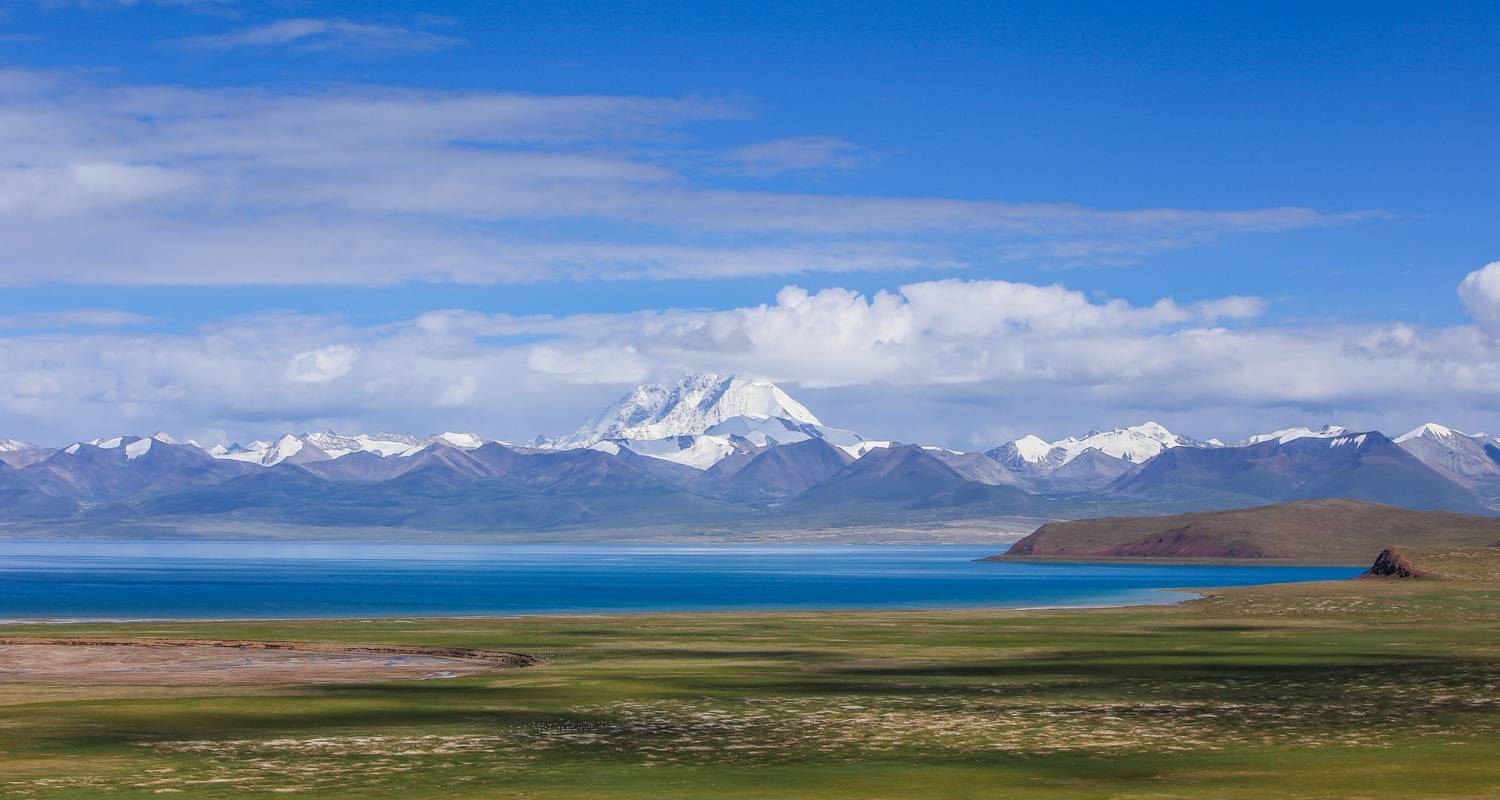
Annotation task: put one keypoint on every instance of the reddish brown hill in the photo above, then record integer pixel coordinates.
(1330, 531)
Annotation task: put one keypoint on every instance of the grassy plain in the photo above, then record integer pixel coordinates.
(1356, 689)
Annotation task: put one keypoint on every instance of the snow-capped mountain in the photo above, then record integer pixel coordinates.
(382, 444)
(133, 446)
(1135, 444)
(309, 447)
(1440, 433)
(1300, 432)
(690, 407)
(16, 453)
(288, 448)
(1472, 460)
(764, 469)
(703, 419)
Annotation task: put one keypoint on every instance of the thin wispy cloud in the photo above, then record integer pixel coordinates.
(218, 6)
(110, 183)
(342, 36)
(72, 318)
(800, 154)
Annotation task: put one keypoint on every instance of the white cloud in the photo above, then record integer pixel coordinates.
(325, 35)
(1480, 293)
(109, 183)
(942, 361)
(321, 365)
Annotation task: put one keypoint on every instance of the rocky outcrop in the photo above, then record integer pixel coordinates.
(1392, 563)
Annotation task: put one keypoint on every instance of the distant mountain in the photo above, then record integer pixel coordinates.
(781, 471)
(714, 450)
(904, 478)
(381, 444)
(1034, 455)
(1088, 471)
(702, 420)
(289, 449)
(698, 451)
(693, 405)
(980, 468)
(18, 454)
(120, 467)
(1471, 460)
(1363, 466)
(1333, 531)
(22, 499)
(489, 488)
(308, 448)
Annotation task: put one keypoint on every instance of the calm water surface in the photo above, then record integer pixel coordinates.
(194, 580)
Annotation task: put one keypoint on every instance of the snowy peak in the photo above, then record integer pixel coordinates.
(289, 447)
(1031, 448)
(1470, 459)
(381, 444)
(309, 447)
(691, 407)
(133, 446)
(1290, 434)
(13, 446)
(1135, 444)
(1432, 430)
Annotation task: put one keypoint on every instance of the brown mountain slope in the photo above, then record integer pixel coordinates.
(1330, 531)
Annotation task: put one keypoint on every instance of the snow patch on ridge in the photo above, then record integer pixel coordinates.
(137, 448)
(1300, 432)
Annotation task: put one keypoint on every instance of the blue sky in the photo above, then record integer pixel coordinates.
(285, 178)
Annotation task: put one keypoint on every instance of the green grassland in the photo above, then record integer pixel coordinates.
(1356, 689)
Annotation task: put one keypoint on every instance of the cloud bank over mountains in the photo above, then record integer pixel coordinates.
(945, 361)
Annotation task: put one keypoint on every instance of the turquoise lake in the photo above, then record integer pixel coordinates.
(76, 580)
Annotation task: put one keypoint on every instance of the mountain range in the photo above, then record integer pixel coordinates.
(724, 452)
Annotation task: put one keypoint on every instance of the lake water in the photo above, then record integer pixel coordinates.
(194, 580)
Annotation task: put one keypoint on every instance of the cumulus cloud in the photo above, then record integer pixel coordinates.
(1480, 293)
(947, 362)
(109, 183)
